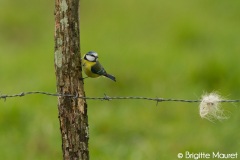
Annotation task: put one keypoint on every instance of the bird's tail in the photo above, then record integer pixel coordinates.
(110, 77)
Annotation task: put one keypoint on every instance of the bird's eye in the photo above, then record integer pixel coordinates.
(95, 54)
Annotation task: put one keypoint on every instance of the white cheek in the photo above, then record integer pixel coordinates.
(90, 58)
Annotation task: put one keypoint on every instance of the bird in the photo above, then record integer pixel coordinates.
(92, 66)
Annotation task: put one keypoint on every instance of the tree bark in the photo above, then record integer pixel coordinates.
(72, 111)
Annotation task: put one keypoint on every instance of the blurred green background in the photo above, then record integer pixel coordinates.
(168, 49)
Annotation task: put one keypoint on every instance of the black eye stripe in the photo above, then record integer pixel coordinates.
(92, 55)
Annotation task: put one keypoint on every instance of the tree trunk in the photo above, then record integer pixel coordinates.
(72, 111)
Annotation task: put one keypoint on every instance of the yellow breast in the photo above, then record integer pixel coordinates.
(87, 68)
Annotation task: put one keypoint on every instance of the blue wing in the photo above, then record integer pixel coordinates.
(98, 69)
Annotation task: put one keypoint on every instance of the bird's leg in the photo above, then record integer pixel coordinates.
(83, 78)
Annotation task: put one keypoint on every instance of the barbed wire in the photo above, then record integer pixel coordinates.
(108, 98)
(209, 104)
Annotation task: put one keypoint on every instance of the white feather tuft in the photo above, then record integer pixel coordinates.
(210, 107)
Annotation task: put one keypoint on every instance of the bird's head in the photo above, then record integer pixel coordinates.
(91, 56)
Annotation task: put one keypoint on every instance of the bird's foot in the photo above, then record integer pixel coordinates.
(81, 79)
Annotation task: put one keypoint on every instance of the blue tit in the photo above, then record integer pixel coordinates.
(93, 68)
